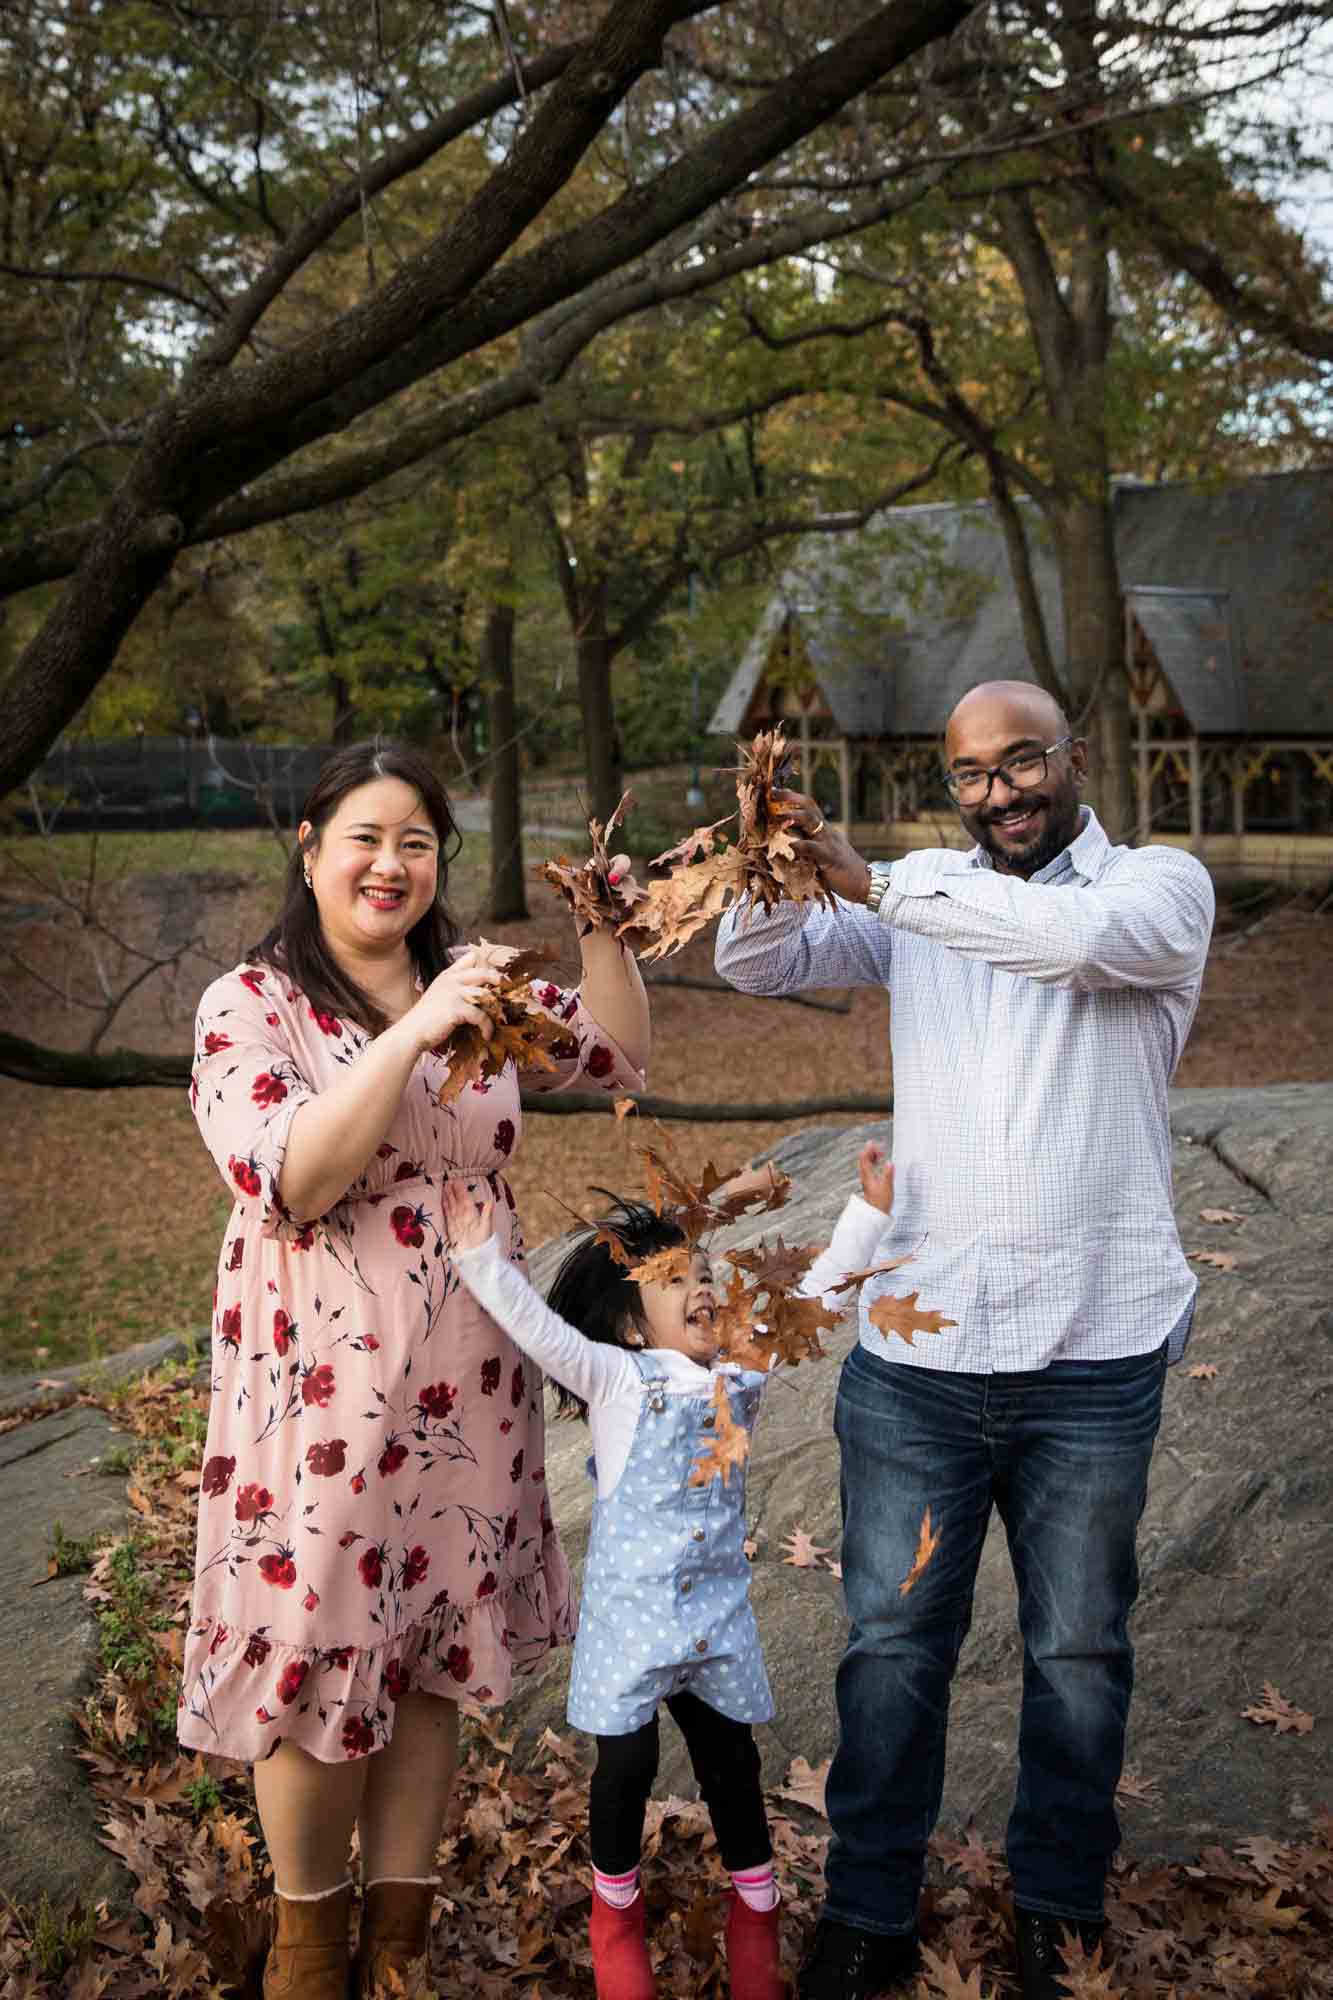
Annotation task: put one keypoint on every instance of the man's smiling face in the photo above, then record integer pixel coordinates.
(1022, 828)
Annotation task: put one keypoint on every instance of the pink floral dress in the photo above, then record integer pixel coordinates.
(372, 1513)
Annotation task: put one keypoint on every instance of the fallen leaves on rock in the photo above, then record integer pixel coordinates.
(1274, 1709)
(1219, 1215)
(1222, 1260)
(1202, 1371)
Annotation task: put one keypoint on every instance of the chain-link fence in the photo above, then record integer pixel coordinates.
(163, 781)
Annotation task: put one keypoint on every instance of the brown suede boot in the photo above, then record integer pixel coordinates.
(395, 1932)
(309, 1956)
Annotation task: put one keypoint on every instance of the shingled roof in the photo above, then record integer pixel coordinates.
(1233, 586)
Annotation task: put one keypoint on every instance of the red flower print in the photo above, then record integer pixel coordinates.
(358, 1736)
(327, 1457)
(415, 1564)
(328, 1024)
(371, 1566)
(391, 1458)
(437, 1399)
(339, 1656)
(486, 1588)
(310, 1602)
(229, 1327)
(278, 1569)
(600, 1061)
(216, 1477)
(271, 1020)
(570, 1008)
(490, 1376)
(482, 1084)
(358, 1482)
(370, 1343)
(516, 1385)
(459, 1662)
(268, 1089)
(237, 1256)
(257, 1651)
(537, 1475)
(317, 1385)
(262, 1715)
(405, 1223)
(506, 1425)
(292, 1679)
(253, 978)
(215, 1043)
(304, 1237)
(219, 1638)
(503, 1142)
(284, 1333)
(549, 995)
(407, 1170)
(511, 1531)
(253, 1502)
(245, 1174)
(516, 1469)
(345, 1541)
(396, 1682)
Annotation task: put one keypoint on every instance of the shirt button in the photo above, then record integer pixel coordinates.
(686, 1587)
(701, 1645)
(698, 1535)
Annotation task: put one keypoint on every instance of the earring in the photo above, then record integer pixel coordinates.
(309, 884)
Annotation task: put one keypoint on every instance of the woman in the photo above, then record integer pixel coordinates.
(374, 1537)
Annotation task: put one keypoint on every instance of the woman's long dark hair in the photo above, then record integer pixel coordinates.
(595, 1293)
(296, 944)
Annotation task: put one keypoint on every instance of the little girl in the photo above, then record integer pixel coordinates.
(665, 1615)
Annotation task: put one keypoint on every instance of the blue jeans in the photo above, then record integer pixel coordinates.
(1063, 1452)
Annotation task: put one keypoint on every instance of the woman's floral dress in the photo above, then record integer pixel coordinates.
(372, 1513)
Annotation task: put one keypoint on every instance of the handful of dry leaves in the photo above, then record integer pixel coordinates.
(523, 1032)
(601, 896)
(708, 870)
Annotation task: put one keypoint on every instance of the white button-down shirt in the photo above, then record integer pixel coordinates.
(1035, 1027)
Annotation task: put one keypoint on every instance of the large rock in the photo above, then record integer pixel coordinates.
(1237, 1543)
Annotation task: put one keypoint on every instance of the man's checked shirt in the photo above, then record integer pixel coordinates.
(1035, 1027)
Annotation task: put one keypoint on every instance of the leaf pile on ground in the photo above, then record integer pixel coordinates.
(511, 1920)
(709, 871)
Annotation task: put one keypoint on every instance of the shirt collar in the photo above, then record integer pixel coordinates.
(1086, 854)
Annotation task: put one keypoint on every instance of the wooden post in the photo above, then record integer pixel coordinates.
(805, 750)
(1238, 763)
(845, 784)
(1144, 783)
(1196, 795)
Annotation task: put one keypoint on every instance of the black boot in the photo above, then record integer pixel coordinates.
(1041, 1968)
(844, 1963)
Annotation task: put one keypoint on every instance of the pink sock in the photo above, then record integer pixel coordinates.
(620, 1890)
(756, 1887)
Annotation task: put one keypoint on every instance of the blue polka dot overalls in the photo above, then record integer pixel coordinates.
(666, 1586)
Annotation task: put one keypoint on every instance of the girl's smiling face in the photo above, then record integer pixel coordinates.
(375, 868)
(680, 1313)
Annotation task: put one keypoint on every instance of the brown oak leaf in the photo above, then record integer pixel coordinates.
(802, 1551)
(1224, 1260)
(598, 902)
(1202, 1371)
(522, 1031)
(728, 1446)
(805, 1784)
(1277, 1710)
(1219, 1215)
(905, 1318)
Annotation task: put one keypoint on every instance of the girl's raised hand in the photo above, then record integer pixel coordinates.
(876, 1171)
(468, 1224)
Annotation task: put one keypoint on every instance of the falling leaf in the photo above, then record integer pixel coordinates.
(1225, 1260)
(1277, 1710)
(728, 1446)
(905, 1318)
(1219, 1215)
(926, 1545)
(664, 1267)
(623, 1106)
(805, 1784)
(801, 1550)
(1202, 1371)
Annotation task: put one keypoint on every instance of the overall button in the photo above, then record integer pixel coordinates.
(701, 1645)
(699, 1535)
(709, 1422)
(686, 1587)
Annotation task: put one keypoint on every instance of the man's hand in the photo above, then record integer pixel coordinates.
(468, 1224)
(838, 862)
(876, 1171)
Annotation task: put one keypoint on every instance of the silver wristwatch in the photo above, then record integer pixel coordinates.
(880, 871)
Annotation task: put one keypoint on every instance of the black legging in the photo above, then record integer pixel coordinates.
(725, 1759)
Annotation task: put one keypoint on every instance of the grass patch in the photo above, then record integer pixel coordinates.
(69, 1554)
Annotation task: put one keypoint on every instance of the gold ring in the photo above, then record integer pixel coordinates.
(815, 830)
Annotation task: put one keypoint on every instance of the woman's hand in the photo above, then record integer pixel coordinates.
(468, 1224)
(452, 999)
(876, 1171)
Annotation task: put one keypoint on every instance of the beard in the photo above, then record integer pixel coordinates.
(1056, 823)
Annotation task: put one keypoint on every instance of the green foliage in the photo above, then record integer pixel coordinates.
(59, 1940)
(69, 1553)
(126, 1620)
(204, 1794)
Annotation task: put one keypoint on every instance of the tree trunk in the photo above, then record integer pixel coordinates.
(601, 744)
(344, 715)
(508, 904)
(1094, 654)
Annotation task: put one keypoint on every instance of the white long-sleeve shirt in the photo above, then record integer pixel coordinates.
(605, 1377)
(1035, 1027)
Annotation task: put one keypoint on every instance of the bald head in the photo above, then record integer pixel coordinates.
(1010, 709)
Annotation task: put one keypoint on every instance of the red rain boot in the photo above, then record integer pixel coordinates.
(753, 1951)
(621, 1966)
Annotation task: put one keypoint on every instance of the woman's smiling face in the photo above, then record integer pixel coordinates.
(374, 869)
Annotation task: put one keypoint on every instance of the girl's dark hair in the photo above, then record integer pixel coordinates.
(296, 945)
(598, 1295)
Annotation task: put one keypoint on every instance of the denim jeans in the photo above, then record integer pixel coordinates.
(1063, 1453)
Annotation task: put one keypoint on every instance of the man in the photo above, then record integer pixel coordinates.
(1042, 988)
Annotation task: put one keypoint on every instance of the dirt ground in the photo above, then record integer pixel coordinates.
(113, 1211)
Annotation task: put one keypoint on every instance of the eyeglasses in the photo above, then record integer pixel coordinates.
(1021, 773)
